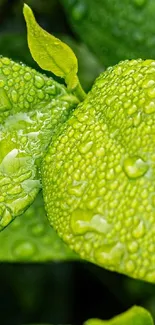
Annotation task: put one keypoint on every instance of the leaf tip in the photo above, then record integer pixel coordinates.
(27, 11)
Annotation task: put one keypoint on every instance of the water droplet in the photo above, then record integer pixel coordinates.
(135, 167)
(29, 98)
(26, 104)
(6, 71)
(27, 76)
(16, 67)
(133, 247)
(109, 255)
(24, 249)
(6, 218)
(32, 92)
(51, 90)
(148, 83)
(100, 152)
(39, 82)
(17, 189)
(151, 92)
(132, 109)
(92, 203)
(5, 61)
(150, 108)
(137, 119)
(5, 104)
(79, 11)
(14, 96)
(40, 94)
(83, 221)
(110, 99)
(139, 231)
(77, 190)
(85, 147)
(10, 82)
(15, 74)
(2, 83)
(130, 266)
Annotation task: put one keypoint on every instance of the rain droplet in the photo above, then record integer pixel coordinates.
(5, 61)
(150, 108)
(109, 255)
(139, 231)
(51, 90)
(77, 190)
(16, 67)
(135, 167)
(83, 221)
(85, 147)
(27, 76)
(14, 96)
(151, 92)
(30, 98)
(39, 82)
(130, 266)
(137, 119)
(133, 247)
(2, 83)
(40, 94)
(10, 82)
(132, 109)
(6, 71)
(6, 218)
(5, 104)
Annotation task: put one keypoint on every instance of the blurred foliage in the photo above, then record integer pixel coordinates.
(57, 293)
(135, 315)
(114, 30)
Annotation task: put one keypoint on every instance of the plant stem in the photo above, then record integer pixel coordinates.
(79, 92)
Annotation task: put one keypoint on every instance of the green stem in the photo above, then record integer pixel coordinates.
(79, 92)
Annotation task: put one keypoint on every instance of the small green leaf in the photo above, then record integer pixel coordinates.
(49, 52)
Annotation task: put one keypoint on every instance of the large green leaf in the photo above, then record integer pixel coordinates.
(32, 107)
(29, 238)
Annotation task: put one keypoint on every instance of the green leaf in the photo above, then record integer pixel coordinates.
(134, 316)
(49, 52)
(89, 65)
(32, 108)
(31, 239)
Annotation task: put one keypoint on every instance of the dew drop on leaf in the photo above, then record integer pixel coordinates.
(135, 167)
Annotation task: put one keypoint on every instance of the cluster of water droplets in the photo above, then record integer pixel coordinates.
(99, 176)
